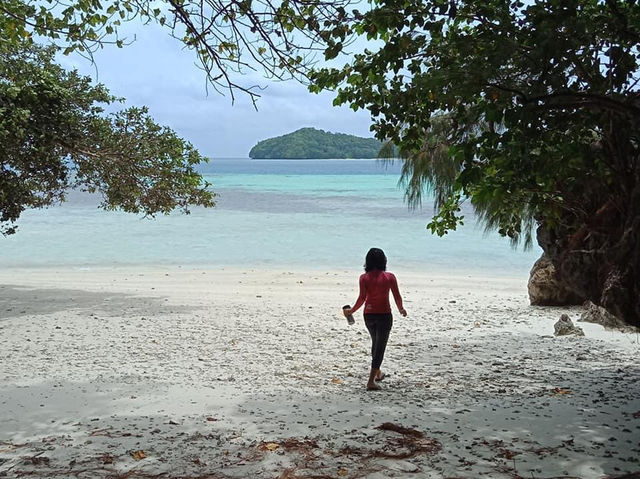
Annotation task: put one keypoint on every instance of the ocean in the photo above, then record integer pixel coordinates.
(302, 214)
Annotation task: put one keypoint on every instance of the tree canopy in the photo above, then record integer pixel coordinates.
(530, 93)
(280, 38)
(55, 136)
(318, 144)
(529, 110)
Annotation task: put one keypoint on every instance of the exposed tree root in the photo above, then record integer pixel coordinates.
(405, 431)
(411, 443)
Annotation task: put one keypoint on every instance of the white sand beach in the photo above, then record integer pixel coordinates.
(176, 372)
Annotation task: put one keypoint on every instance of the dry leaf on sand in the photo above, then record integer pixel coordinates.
(269, 446)
(138, 455)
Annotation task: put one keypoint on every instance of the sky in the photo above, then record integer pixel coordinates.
(157, 71)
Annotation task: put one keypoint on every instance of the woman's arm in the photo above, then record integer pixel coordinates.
(362, 296)
(396, 295)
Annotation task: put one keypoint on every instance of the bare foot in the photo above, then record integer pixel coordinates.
(373, 387)
(380, 376)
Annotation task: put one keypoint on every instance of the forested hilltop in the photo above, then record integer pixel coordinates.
(312, 143)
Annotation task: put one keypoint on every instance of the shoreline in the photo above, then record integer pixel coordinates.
(253, 372)
(435, 274)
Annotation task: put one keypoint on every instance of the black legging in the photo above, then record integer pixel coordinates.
(379, 326)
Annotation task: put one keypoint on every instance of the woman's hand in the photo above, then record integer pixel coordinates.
(346, 312)
(403, 312)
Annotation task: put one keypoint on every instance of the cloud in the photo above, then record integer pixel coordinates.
(159, 72)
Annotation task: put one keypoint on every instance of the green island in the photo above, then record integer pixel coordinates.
(307, 143)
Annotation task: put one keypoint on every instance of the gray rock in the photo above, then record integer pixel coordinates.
(565, 327)
(598, 315)
(546, 288)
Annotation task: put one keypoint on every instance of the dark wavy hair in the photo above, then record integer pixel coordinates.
(375, 260)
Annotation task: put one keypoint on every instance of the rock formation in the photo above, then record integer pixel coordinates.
(599, 315)
(565, 327)
(598, 261)
(546, 289)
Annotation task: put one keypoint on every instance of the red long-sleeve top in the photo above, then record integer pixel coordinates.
(374, 292)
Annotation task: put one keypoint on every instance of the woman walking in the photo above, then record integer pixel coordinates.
(375, 285)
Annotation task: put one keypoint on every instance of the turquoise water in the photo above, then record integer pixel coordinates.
(287, 213)
(365, 186)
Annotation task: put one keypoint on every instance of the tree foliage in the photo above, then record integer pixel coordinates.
(279, 38)
(541, 99)
(317, 144)
(55, 136)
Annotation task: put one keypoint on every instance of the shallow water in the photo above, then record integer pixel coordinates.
(322, 214)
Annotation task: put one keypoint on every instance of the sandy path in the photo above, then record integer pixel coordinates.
(255, 374)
